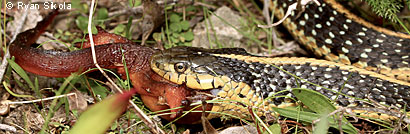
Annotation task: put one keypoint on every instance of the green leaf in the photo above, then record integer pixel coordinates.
(93, 29)
(174, 18)
(60, 31)
(310, 117)
(189, 36)
(175, 35)
(190, 8)
(189, 44)
(99, 90)
(184, 25)
(322, 126)
(82, 23)
(21, 73)
(274, 128)
(175, 40)
(102, 14)
(76, 4)
(157, 37)
(98, 118)
(67, 33)
(314, 100)
(119, 29)
(175, 27)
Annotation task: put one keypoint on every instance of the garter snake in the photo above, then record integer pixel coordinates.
(232, 74)
(367, 64)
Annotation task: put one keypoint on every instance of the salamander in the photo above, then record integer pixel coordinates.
(109, 51)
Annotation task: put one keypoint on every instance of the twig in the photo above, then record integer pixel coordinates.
(168, 2)
(153, 127)
(291, 8)
(136, 20)
(39, 100)
(93, 47)
(196, 3)
(8, 128)
(134, 10)
(2, 31)
(340, 119)
(265, 12)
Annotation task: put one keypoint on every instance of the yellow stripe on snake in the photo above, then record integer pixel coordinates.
(372, 69)
(332, 32)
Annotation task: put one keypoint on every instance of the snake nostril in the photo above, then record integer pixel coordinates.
(157, 64)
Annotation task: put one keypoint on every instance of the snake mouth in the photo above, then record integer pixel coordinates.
(196, 103)
(180, 104)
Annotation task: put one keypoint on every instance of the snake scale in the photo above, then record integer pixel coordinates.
(367, 65)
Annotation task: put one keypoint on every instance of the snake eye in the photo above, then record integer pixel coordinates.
(180, 67)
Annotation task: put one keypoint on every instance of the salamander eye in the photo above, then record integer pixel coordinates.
(180, 67)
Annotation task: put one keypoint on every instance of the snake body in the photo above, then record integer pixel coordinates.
(332, 32)
(367, 65)
(232, 74)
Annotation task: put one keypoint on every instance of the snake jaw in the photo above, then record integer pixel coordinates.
(177, 97)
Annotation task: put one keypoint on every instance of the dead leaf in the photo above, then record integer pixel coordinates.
(208, 128)
(33, 16)
(152, 18)
(34, 119)
(77, 102)
(4, 107)
(5, 96)
(186, 132)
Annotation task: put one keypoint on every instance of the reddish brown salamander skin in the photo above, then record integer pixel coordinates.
(148, 84)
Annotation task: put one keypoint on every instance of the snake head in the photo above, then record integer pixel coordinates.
(198, 68)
